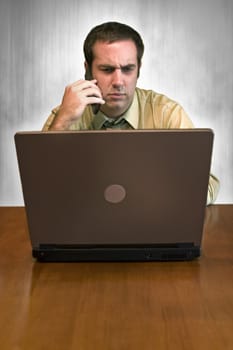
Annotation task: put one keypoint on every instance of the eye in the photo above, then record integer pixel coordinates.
(107, 70)
(128, 69)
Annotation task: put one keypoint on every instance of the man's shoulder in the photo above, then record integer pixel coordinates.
(159, 111)
(151, 96)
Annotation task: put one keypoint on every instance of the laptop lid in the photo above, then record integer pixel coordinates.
(115, 195)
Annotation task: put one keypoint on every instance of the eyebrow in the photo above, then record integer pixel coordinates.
(130, 65)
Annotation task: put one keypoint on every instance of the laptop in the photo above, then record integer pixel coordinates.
(137, 195)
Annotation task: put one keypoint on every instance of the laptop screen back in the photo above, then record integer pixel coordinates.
(137, 187)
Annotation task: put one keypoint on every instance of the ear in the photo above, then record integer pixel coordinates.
(85, 65)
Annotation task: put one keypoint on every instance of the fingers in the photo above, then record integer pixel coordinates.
(86, 90)
(81, 83)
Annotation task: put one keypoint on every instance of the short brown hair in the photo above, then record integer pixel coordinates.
(111, 32)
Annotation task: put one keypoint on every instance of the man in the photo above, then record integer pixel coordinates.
(108, 96)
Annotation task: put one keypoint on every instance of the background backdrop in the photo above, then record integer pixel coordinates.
(189, 55)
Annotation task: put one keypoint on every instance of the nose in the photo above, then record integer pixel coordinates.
(117, 78)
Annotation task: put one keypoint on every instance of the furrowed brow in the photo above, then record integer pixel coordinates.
(130, 66)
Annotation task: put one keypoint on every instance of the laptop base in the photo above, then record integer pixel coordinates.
(116, 253)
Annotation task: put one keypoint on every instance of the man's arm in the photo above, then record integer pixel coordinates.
(75, 99)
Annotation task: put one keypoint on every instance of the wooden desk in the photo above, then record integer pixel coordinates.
(122, 306)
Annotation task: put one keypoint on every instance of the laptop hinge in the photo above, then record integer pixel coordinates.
(110, 252)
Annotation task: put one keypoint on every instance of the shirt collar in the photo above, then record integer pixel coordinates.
(131, 116)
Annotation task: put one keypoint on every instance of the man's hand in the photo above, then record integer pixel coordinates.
(75, 99)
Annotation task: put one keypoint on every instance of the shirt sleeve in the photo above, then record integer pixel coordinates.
(213, 189)
(50, 119)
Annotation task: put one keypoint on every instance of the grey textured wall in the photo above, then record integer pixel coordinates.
(189, 54)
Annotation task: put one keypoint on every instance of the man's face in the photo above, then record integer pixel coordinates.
(115, 68)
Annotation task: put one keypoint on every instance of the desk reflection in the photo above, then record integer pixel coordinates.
(172, 305)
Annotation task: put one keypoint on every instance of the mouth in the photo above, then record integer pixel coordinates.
(116, 95)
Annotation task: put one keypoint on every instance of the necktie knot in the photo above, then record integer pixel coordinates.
(115, 124)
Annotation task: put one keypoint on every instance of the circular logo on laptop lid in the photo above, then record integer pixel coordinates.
(114, 193)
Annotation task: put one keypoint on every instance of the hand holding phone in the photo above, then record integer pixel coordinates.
(75, 99)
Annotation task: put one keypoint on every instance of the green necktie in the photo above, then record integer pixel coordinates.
(116, 124)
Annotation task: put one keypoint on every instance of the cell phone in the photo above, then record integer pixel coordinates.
(95, 106)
